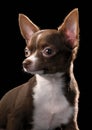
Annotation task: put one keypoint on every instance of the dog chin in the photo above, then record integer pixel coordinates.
(37, 72)
(33, 72)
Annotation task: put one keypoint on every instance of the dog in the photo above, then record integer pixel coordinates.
(49, 99)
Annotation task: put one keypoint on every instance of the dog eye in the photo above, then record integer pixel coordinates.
(48, 52)
(27, 52)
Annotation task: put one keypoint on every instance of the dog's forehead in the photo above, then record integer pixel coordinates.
(45, 37)
(46, 34)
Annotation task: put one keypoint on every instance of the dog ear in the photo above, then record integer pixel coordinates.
(27, 27)
(70, 28)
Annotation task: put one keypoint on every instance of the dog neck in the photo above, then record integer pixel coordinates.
(48, 77)
(50, 102)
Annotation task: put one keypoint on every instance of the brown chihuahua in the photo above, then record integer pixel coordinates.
(49, 100)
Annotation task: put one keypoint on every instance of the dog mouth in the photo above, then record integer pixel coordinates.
(33, 68)
(35, 71)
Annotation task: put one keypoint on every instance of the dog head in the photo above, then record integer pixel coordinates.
(50, 50)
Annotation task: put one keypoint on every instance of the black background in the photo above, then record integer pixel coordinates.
(45, 14)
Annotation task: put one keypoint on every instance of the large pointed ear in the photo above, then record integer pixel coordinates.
(70, 28)
(27, 27)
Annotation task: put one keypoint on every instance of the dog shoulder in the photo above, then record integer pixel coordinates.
(15, 95)
(16, 101)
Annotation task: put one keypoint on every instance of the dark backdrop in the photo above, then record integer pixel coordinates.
(46, 14)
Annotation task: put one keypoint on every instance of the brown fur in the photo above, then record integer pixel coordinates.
(16, 106)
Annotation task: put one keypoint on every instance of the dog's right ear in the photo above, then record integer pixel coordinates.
(27, 27)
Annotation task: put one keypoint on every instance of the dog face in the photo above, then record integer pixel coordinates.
(50, 50)
(45, 53)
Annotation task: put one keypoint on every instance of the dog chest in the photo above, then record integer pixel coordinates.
(51, 108)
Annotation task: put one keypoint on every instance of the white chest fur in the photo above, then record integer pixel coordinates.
(51, 106)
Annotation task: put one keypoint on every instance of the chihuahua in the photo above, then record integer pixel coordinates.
(49, 100)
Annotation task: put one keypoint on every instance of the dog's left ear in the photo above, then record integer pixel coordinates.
(70, 28)
(27, 27)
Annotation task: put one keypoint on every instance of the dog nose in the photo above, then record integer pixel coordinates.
(26, 63)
